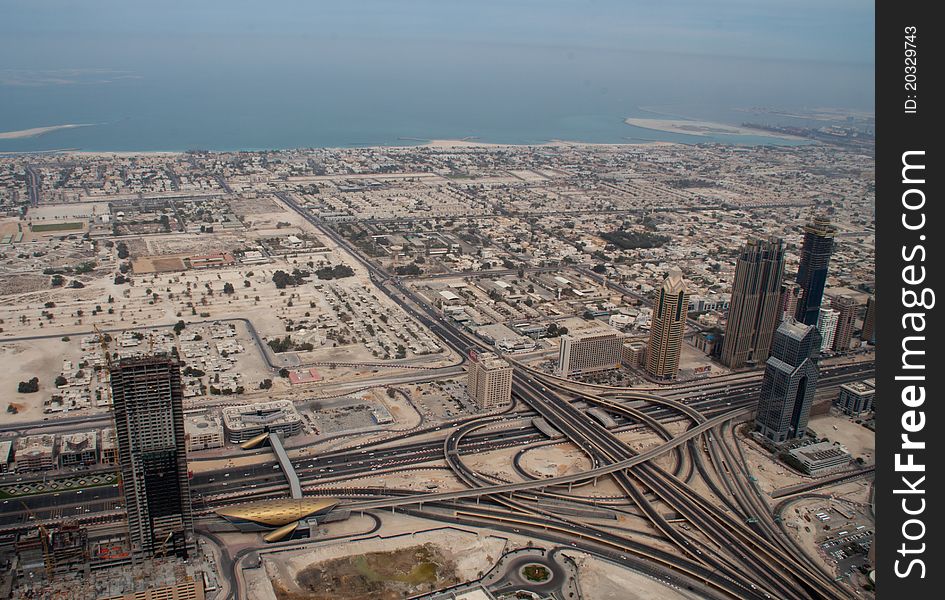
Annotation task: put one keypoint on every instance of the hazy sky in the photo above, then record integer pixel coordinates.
(820, 30)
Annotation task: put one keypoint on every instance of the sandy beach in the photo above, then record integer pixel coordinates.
(37, 131)
(701, 128)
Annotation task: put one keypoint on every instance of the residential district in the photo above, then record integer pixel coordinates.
(450, 371)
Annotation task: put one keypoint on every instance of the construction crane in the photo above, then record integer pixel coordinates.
(103, 343)
(163, 549)
(44, 539)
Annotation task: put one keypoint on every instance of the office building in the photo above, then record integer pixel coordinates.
(490, 380)
(589, 351)
(856, 398)
(812, 272)
(152, 456)
(827, 324)
(108, 454)
(753, 309)
(846, 308)
(6, 455)
(35, 453)
(633, 354)
(791, 293)
(789, 383)
(821, 457)
(242, 423)
(204, 431)
(869, 322)
(77, 449)
(667, 328)
(186, 588)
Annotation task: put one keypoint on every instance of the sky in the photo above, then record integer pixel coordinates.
(814, 30)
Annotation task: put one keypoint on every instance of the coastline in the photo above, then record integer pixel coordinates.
(703, 128)
(23, 134)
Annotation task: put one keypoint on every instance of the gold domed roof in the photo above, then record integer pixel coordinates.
(278, 512)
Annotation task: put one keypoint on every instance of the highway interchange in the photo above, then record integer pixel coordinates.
(733, 544)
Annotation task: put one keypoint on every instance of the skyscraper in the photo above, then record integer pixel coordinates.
(812, 272)
(827, 324)
(667, 327)
(753, 310)
(789, 383)
(869, 321)
(846, 308)
(790, 294)
(149, 426)
(490, 380)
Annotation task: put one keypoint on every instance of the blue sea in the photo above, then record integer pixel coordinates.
(216, 94)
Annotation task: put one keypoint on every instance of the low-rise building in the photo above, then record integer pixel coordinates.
(633, 354)
(821, 457)
(245, 422)
(78, 449)
(35, 453)
(6, 455)
(203, 431)
(856, 398)
(109, 447)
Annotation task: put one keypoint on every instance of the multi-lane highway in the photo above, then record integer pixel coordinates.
(732, 545)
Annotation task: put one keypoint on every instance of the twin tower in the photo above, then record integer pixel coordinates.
(780, 329)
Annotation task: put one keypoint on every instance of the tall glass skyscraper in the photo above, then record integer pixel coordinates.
(152, 455)
(812, 272)
(789, 383)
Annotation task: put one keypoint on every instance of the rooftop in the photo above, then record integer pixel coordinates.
(252, 415)
(279, 512)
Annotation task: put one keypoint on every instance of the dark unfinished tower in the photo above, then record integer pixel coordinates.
(149, 426)
(789, 383)
(756, 296)
(812, 272)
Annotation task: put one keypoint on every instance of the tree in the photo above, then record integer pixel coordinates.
(28, 387)
(411, 269)
(265, 384)
(179, 326)
(282, 279)
(61, 381)
(228, 288)
(283, 372)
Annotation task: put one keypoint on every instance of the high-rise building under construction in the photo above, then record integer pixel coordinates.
(149, 426)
